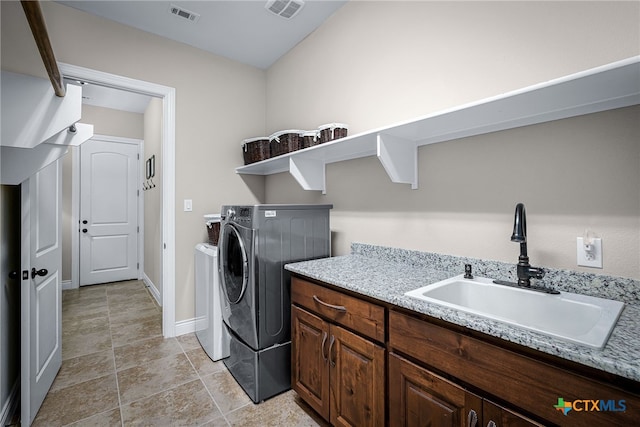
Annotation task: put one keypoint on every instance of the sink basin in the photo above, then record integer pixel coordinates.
(577, 318)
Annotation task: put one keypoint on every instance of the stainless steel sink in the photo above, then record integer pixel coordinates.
(578, 318)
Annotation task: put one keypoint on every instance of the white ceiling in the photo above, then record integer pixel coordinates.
(242, 30)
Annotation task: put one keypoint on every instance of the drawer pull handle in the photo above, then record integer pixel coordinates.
(331, 342)
(324, 340)
(339, 308)
(472, 418)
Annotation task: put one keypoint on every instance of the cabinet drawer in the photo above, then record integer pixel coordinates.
(527, 383)
(353, 313)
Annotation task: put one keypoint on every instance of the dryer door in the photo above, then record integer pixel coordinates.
(234, 264)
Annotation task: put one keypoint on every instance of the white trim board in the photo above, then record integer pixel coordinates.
(168, 95)
(153, 289)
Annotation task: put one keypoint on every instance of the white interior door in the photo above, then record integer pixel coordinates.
(108, 211)
(41, 290)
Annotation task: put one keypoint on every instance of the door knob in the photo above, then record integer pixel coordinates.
(41, 272)
(84, 221)
(84, 230)
(13, 275)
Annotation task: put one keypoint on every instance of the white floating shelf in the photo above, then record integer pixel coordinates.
(608, 87)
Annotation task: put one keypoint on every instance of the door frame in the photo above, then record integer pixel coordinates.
(168, 96)
(75, 204)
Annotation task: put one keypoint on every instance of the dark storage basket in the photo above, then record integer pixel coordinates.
(213, 228)
(310, 138)
(256, 149)
(285, 141)
(332, 131)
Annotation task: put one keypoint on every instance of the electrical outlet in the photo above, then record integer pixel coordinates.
(188, 205)
(592, 258)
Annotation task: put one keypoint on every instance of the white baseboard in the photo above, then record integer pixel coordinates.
(11, 406)
(184, 327)
(67, 284)
(152, 289)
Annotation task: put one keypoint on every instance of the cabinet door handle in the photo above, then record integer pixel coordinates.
(331, 342)
(339, 308)
(472, 418)
(324, 340)
(491, 423)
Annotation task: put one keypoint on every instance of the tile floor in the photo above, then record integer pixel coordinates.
(118, 370)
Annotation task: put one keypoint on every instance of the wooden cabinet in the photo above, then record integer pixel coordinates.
(436, 374)
(338, 372)
(502, 374)
(419, 397)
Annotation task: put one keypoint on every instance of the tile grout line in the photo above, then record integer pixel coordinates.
(113, 353)
(204, 385)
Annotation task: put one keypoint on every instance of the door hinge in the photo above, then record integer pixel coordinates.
(138, 193)
(138, 229)
(138, 266)
(138, 156)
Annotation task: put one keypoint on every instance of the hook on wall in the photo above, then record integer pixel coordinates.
(150, 172)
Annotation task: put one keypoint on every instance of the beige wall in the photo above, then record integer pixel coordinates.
(376, 63)
(153, 196)
(105, 121)
(218, 103)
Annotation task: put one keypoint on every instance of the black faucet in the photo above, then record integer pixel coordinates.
(525, 271)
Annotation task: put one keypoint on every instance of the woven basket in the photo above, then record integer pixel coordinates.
(256, 149)
(285, 141)
(332, 131)
(310, 138)
(213, 228)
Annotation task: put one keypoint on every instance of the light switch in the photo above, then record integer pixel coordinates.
(188, 205)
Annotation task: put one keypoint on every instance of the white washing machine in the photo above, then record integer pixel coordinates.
(210, 331)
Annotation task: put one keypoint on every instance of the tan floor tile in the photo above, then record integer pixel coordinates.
(203, 363)
(155, 376)
(225, 391)
(119, 318)
(83, 368)
(86, 294)
(141, 352)
(77, 326)
(282, 410)
(78, 402)
(188, 341)
(81, 311)
(137, 330)
(85, 343)
(186, 405)
(110, 418)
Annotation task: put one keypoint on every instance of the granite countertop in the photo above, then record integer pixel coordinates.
(386, 274)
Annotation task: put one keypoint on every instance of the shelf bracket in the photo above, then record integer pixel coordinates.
(399, 157)
(309, 173)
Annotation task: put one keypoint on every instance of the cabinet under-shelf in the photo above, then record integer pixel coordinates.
(607, 87)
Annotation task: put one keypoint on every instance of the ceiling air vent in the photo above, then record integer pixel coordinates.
(284, 8)
(184, 13)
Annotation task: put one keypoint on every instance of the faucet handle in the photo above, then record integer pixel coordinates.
(467, 271)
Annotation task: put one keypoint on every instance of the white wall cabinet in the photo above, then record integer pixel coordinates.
(607, 87)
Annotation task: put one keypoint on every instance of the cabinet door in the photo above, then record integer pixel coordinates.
(418, 397)
(310, 364)
(357, 380)
(497, 416)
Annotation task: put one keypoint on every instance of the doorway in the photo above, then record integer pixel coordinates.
(167, 94)
(111, 210)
